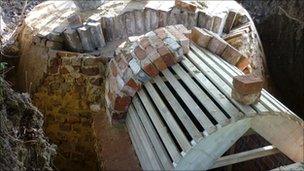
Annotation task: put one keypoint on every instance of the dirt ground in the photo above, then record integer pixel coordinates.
(114, 144)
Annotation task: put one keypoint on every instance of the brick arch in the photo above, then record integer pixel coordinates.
(137, 62)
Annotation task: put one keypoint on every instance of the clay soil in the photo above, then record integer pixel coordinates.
(114, 144)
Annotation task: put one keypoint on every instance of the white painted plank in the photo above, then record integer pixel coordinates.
(160, 127)
(218, 82)
(169, 119)
(143, 137)
(214, 111)
(138, 146)
(178, 109)
(187, 99)
(219, 97)
(245, 156)
(158, 146)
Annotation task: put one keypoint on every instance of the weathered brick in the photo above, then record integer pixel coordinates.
(138, 72)
(158, 61)
(231, 55)
(144, 42)
(167, 56)
(247, 84)
(122, 64)
(181, 28)
(185, 5)
(122, 103)
(247, 70)
(229, 21)
(217, 45)
(181, 39)
(140, 53)
(200, 37)
(148, 67)
(246, 99)
(243, 63)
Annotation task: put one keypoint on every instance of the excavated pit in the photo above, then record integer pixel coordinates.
(65, 74)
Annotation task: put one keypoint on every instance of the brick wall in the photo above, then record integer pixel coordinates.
(71, 93)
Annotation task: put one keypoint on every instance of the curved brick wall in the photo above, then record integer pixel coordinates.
(136, 62)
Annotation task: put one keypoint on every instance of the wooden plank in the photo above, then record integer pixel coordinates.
(233, 71)
(187, 99)
(158, 146)
(205, 153)
(169, 119)
(218, 96)
(214, 111)
(245, 156)
(144, 161)
(160, 127)
(218, 82)
(222, 73)
(143, 137)
(178, 109)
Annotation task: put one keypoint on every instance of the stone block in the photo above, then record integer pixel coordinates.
(137, 71)
(247, 84)
(149, 67)
(243, 62)
(130, 23)
(246, 99)
(98, 39)
(229, 21)
(167, 56)
(185, 5)
(231, 55)
(86, 38)
(217, 45)
(200, 37)
(139, 22)
(72, 40)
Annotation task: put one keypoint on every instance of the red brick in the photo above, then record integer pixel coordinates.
(158, 61)
(231, 55)
(217, 45)
(144, 42)
(247, 70)
(200, 37)
(140, 53)
(148, 67)
(185, 5)
(167, 56)
(150, 50)
(243, 63)
(122, 103)
(180, 37)
(247, 84)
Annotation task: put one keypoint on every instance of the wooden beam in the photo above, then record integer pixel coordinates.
(245, 156)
